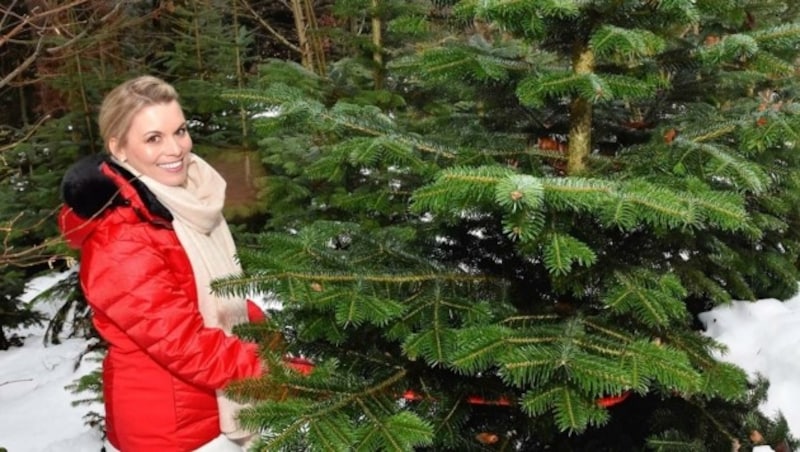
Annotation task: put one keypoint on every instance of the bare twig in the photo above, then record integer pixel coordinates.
(91, 26)
(15, 381)
(71, 41)
(57, 9)
(34, 20)
(271, 30)
(6, 13)
(28, 61)
(30, 133)
(32, 255)
(17, 28)
(34, 17)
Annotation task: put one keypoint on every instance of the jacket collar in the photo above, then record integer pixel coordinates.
(95, 186)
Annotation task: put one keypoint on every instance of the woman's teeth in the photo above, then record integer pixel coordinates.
(173, 165)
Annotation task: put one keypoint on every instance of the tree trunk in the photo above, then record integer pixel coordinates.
(301, 26)
(239, 65)
(377, 44)
(580, 131)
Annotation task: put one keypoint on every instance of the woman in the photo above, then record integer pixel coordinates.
(147, 219)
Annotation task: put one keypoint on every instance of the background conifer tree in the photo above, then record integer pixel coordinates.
(496, 236)
(55, 69)
(62, 60)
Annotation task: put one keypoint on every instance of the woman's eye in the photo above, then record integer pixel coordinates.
(182, 131)
(153, 139)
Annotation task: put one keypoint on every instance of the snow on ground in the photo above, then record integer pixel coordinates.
(36, 414)
(764, 338)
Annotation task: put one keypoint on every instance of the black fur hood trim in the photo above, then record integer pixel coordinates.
(88, 191)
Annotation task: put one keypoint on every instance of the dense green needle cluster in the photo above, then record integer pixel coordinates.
(521, 222)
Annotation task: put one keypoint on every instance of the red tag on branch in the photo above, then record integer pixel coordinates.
(610, 401)
(305, 367)
(300, 365)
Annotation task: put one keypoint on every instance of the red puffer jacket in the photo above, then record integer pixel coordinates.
(163, 365)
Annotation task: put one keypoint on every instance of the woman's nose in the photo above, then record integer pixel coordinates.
(176, 146)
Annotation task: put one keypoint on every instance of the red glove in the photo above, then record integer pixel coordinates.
(254, 313)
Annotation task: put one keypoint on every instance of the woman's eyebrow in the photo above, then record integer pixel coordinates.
(156, 131)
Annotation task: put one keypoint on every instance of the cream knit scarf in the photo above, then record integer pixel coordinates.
(203, 232)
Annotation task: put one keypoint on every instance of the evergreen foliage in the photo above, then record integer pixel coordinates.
(519, 222)
(13, 312)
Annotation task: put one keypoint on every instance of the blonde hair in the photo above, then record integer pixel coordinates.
(123, 102)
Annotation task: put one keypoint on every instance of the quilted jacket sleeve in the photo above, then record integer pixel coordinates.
(134, 286)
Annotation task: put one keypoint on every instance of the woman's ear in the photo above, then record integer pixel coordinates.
(116, 150)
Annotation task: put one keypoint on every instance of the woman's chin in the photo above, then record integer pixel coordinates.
(171, 178)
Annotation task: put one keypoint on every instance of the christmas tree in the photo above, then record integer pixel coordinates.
(492, 224)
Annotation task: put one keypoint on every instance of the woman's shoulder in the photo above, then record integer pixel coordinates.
(95, 184)
(104, 203)
(132, 246)
(124, 231)
(87, 190)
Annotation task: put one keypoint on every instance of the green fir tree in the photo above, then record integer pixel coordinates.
(497, 235)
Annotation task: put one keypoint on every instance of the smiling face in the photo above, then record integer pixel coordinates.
(157, 143)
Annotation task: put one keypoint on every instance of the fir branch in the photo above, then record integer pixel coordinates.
(789, 33)
(624, 338)
(333, 433)
(630, 44)
(654, 304)
(477, 347)
(721, 428)
(718, 131)
(533, 90)
(665, 443)
(339, 117)
(243, 284)
(530, 318)
(561, 251)
(399, 432)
